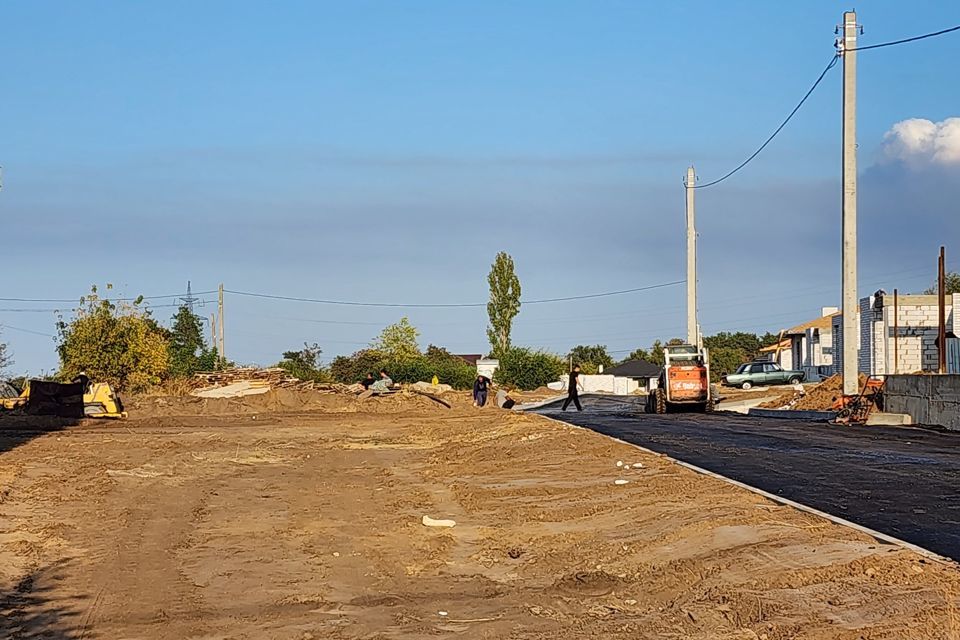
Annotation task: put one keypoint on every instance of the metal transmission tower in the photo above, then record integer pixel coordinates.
(189, 299)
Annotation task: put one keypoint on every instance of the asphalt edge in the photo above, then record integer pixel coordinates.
(882, 537)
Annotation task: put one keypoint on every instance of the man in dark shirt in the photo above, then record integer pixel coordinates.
(369, 380)
(572, 393)
(480, 386)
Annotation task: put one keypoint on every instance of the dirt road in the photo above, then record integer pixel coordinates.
(902, 482)
(264, 523)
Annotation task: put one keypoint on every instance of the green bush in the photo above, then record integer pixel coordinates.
(448, 368)
(305, 364)
(114, 342)
(350, 369)
(527, 369)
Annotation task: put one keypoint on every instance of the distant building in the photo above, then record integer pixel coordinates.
(902, 340)
(641, 373)
(807, 347)
(469, 358)
(487, 367)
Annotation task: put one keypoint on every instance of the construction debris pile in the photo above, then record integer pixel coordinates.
(244, 381)
(818, 398)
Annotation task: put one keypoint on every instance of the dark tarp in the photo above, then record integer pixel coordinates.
(56, 399)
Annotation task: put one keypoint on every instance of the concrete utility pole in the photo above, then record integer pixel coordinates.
(942, 313)
(213, 331)
(851, 385)
(223, 355)
(693, 333)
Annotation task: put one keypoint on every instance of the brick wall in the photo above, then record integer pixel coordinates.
(916, 336)
(867, 355)
(916, 348)
(838, 343)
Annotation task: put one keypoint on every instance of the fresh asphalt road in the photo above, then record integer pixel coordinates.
(900, 481)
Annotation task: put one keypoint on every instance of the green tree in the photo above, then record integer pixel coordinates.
(353, 368)
(748, 344)
(188, 350)
(450, 369)
(114, 342)
(951, 284)
(656, 350)
(768, 339)
(305, 363)
(504, 302)
(724, 360)
(656, 353)
(590, 358)
(527, 369)
(398, 341)
(638, 354)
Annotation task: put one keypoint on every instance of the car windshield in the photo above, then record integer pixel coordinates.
(743, 368)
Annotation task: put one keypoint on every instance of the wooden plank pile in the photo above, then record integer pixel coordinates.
(274, 377)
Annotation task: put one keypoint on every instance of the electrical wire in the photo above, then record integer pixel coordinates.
(905, 40)
(447, 305)
(830, 65)
(77, 300)
(21, 329)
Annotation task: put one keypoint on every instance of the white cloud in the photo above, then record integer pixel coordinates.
(919, 142)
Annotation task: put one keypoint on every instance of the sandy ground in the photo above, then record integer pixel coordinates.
(304, 521)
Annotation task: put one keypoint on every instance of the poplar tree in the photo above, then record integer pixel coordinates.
(504, 303)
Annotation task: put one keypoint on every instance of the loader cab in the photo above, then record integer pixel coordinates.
(684, 380)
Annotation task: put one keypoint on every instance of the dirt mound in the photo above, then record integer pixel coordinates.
(588, 583)
(818, 398)
(288, 400)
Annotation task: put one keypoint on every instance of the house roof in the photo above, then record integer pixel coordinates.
(634, 369)
(470, 358)
(783, 344)
(820, 323)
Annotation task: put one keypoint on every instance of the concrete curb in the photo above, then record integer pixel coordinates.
(882, 537)
(882, 419)
(787, 414)
(527, 406)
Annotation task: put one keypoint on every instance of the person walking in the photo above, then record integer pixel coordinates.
(480, 386)
(572, 393)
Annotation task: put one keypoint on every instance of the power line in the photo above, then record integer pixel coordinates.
(21, 329)
(77, 300)
(445, 305)
(905, 40)
(149, 307)
(830, 65)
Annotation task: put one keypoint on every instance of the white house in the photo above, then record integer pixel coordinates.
(807, 347)
(487, 367)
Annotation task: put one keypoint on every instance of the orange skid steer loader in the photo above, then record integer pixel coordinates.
(684, 381)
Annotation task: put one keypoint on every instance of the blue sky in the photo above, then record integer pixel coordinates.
(381, 151)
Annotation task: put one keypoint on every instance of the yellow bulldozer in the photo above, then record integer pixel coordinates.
(76, 400)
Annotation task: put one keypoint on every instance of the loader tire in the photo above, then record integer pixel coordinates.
(660, 399)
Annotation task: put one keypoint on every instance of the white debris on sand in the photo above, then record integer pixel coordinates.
(430, 522)
(235, 390)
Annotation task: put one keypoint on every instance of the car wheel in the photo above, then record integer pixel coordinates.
(746, 386)
(794, 380)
